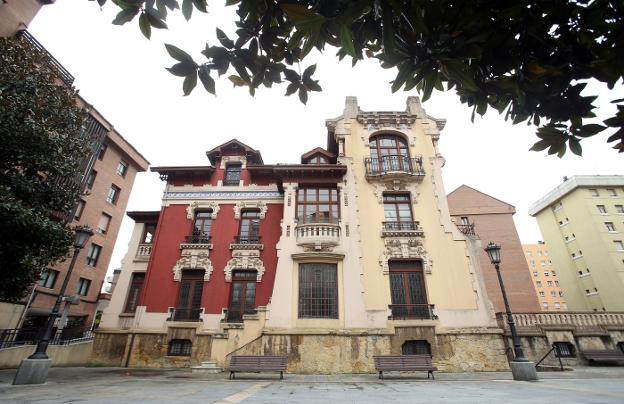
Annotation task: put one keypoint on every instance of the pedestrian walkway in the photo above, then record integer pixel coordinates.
(106, 385)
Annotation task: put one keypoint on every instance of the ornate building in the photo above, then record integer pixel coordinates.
(349, 254)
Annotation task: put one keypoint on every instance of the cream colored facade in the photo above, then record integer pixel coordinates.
(582, 222)
(545, 277)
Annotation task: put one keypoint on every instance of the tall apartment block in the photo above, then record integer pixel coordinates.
(480, 215)
(109, 173)
(582, 222)
(545, 277)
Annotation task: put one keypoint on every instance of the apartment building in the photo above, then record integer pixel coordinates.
(545, 277)
(582, 222)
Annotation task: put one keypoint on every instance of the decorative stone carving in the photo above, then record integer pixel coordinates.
(192, 259)
(225, 160)
(214, 206)
(404, 248)
(240, 205)
(245, 260)
(396, 185)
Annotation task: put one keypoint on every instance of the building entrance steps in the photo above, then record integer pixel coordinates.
(206, 367)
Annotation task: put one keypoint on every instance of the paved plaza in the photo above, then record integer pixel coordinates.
(116, 385)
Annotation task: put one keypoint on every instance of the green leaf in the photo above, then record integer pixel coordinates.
(182, 69)
(297, 13)
(237, 81)
(346, 40)
(575, 146)
(540, 145)
(307, 73)
(225, 41)
(201, 5)
(591, 129)
(303, 95)
(179, 54)
(454, 70)
(187, 9)
(232, 2)
(292, 88)
(207, 81)
(125, 15)
(189, 83)
(145, 27)
(154, 19)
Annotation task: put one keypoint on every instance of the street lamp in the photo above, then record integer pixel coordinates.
(35, 369)
(521, 368)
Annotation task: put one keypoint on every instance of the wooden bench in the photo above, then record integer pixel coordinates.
(266, 363)
(404, 363)
(603, 355)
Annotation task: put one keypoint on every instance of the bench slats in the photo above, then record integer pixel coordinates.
(604, 355)
(258, 363)
(404, 363)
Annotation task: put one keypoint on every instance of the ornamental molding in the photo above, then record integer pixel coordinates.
(394, 186)
(214, 206)
(222, 195)
(391, 120)
(404, 248)
(193, 259)
(225, 160)
(245, 260)
(241, 205)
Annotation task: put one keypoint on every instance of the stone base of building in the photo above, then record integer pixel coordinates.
(309, 351)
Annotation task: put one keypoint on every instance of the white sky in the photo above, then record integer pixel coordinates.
(122, 74)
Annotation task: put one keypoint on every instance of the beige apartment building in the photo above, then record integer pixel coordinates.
(545, 277)
(582, 222)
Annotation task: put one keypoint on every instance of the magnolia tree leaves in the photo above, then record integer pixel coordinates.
(527, 60)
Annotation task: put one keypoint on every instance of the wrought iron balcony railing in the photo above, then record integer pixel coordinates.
(411, 229)
(248, 239)
(185, 314)
(394, 164)
(235, 314)
(467, 229)
(412, 311)
(198, 237)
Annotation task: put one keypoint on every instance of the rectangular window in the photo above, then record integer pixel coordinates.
(103, 224)
(249, 232)
(549, 283)
(545, 305)
(538, 284)
(553, 293)
(398, 212)
(102, 151)
(546, 273)
(148, 233)
(539, 253)
(556, 283)
(180, 347)
(83, 286)
(48, 278)
(201, 227)
(619, 245)
(557, 305)
(610, 226)
(79, 209)
(554, 273)
(611, 192)
(93, 254)
(122, 168)
(542, 262)
(232, 174)
(533, 263)
(535, 274)
(113, 194)
(594, 192)
(541, 293)
(601, 209)
(619, 209)
(317, 205)
(318, 291)
(465, 221)
(529, 254)
(134, 291)
(91, 179)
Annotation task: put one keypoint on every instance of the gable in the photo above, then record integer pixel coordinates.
(469, 201)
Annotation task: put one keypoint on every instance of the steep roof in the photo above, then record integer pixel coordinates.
(317, 150)
(234, 147)
(469, 201)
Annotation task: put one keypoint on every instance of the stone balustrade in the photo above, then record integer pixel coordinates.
(143, 252)
(564, 320)
(317, 234)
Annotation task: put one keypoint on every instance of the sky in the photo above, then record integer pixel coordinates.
(122, 75)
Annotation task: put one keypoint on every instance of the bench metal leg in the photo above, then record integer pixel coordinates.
(432, 376)
(381, 374)
(281, 375)
(232, 376)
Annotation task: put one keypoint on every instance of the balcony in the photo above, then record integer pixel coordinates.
(197, 240)
(402, 229)
(318, 235)
(394, 167)
(64, 75)
(247, 242)
(143, 252)
(185, 314)
(412, 312)
(467, 229)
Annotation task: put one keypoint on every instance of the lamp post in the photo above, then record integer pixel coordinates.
(34, 370)
(521, 367)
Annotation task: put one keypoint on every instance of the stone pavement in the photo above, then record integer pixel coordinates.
(118, 385)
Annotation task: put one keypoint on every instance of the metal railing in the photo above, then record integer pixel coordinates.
(401, 226)
(63, 73)
(467, 229)
(235, 314)
(185, 314)
(392, 164)
(248, 239)
(198, 237)
(30, 336)
(412, 311)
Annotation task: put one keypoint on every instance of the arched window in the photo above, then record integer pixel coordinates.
(389, 153)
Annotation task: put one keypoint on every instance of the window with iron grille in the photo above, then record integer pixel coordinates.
(48, 278)
(93, 254)
(418, 347)
(565, 349)
(201, 227)
(180, 347)
(133, 293)
(318, 205)
(318, 291)
(232, 174)
(249, 227)
(398, 212)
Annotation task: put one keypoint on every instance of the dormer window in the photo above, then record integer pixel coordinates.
(318, 159)
(232, 174)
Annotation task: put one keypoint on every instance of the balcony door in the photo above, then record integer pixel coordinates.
(398, 212)
(407, 290)
(242, 296)
(189, 296)
(249, 227)
(389, 153)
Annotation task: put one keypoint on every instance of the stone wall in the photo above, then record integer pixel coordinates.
(62, 355)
